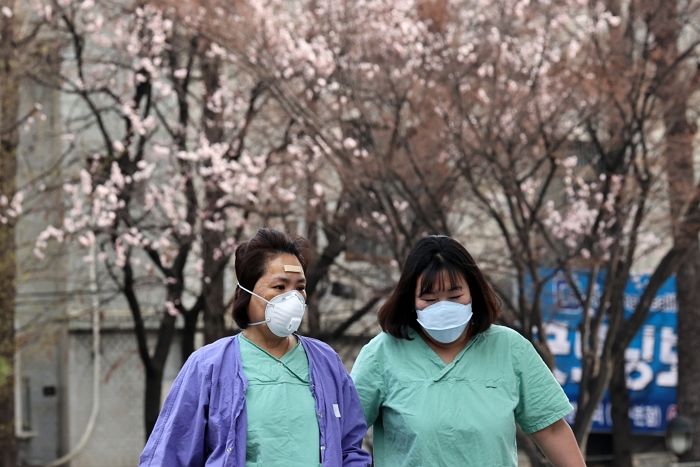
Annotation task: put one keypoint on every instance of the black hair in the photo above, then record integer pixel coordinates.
(427, 260)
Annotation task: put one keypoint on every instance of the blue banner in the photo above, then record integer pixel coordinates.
(651, 359)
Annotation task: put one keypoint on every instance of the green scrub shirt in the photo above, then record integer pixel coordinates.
(426, 412)
(282, 426)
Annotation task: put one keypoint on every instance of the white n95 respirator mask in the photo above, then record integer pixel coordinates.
(283, 313)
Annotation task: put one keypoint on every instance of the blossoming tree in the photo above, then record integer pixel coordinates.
(532, 124)
(545, 117)
(177, 153)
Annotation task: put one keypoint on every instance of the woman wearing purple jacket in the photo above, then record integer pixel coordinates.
(267, 396)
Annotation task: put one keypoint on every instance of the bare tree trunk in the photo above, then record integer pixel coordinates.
(213, 255)
(688, 389)
(154, 382)
(154, 363)
(213, 285)
(679, 159)
(319, 268)
(154, 373)
(7, 313)
(621, 427)
(9, 108)
(189, 330)
(679, 166)
(674, 93)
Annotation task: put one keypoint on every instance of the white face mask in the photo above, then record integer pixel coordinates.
(445, 321)
(283, 313)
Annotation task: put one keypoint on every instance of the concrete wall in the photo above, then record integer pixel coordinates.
(41, 285)
(41, 396)
(118, 437)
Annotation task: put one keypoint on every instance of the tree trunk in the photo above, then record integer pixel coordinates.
(681, 180)
(320, 267)
(674, 93)
(213, 283)
(153, 364)
(593, 395)
(213, 255)
(601, 368)
(151, 407)
(213, 286)
(688, 389)
(621, 427)
(313, 317)
(9, 108)
(189, 331)
(154, 369)
(156, 363)
(7, 337)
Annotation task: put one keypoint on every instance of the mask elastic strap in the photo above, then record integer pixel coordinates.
(253, 293)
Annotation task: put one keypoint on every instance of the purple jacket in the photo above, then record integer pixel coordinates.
(204, 420)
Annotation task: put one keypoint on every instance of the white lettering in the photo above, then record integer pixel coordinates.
(639, 375)
(668, 379)
(648, 333)
(558, 338)
(576, 374)
(653, 416)
(667, 353)
(637, 414)
(599, 415)
(560, 376)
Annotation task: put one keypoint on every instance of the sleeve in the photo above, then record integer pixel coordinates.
(542, 400)
(369, 382)
(178, 438)
(354, 427)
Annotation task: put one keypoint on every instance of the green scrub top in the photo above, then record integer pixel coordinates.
(282, 426)
(426, 412)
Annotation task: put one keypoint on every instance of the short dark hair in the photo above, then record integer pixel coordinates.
(428, 258)
(251, 260)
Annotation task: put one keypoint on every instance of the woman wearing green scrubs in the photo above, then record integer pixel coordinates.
(443, 385)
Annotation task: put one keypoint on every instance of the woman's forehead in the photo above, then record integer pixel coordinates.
(284, 264)
(440, 281)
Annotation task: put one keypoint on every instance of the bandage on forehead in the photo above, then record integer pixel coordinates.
(292, 268)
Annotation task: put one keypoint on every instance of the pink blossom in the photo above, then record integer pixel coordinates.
(171, 309)
(349, 143)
